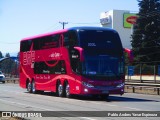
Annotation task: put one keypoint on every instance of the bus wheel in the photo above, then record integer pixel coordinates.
(33, 88)
(29, 87)
(67, 90)
(60, 90)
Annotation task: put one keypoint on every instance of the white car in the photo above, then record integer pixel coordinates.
(2, 77)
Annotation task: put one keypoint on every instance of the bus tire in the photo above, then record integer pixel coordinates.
(60, 90)
(40, 91)
(29, 87)
(33, 88)
(67, 90)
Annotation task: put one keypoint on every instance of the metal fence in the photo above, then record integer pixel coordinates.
(143, 73)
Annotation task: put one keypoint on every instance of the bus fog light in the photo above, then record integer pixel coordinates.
(85, 90)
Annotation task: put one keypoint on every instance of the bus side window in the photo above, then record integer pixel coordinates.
(36, 44)
(26, 45)
(75, 61)
(70, 39)
(43, 68)
(66, 40)
(55, 40)
(47, 42)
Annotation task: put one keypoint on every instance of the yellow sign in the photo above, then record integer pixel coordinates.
(129, 19)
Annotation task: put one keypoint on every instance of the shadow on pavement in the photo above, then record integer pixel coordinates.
(128, 99)
(98, 98)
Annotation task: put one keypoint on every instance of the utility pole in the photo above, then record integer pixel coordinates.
(63, 23)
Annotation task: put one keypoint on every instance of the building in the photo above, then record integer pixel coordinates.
(120, 20)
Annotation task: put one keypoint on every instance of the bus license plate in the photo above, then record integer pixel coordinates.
(104, 91)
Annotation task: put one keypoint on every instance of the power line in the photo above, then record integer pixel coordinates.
(51, 27)
(84, 23)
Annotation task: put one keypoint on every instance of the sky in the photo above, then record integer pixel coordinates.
(24, 18)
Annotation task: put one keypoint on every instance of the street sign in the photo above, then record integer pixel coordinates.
(130, 70)
(159, 70)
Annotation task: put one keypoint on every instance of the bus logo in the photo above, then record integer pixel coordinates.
(55, 55)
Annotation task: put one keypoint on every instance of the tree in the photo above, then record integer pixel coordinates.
(7, 64)
(1, 56)
(10, 66)
(146, 36)
(7, 55)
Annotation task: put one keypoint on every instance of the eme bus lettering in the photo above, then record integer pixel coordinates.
(28, 57)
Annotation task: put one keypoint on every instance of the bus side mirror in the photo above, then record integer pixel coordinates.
(80, 50)
(129, 53)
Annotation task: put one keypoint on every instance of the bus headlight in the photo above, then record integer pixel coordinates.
(120, 85)
(87, 85)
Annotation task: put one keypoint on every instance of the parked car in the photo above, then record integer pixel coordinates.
(2, 77)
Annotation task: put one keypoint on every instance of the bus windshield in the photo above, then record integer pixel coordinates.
(103, 54)
(96, 39)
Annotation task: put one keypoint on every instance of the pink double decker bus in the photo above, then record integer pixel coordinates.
(78, 60)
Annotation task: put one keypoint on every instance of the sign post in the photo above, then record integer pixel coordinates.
(130, 71)
(158, 70)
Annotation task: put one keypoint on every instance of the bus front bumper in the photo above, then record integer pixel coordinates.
(93, 90)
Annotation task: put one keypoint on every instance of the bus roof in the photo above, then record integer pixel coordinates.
(45, 34)
(65, 30)
(91, 28)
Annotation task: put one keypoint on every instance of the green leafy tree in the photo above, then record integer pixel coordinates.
(1, 55)
(7, 55)
(146, 36)
(9, 66)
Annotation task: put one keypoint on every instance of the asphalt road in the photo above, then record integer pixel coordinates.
(14, 98)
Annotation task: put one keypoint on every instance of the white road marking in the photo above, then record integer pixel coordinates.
(68, 100)
(25, 105)
(87, 118)
(44, 109)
